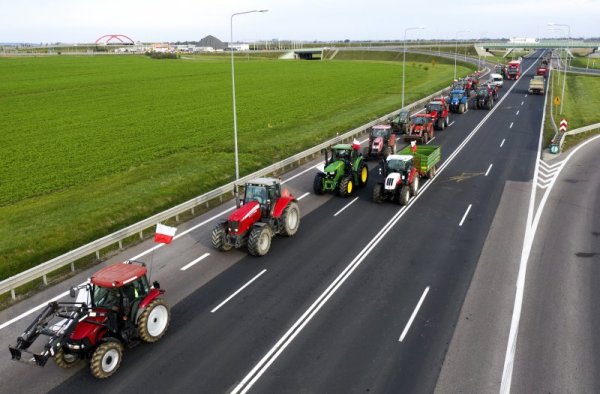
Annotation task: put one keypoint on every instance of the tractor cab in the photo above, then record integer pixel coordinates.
(400, 122)
(265, 191)
(382, 130)
(341, 152)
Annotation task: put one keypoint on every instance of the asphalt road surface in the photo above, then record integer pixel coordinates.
(364, 298)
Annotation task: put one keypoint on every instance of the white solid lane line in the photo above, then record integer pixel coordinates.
(465, 216)
(414, 314)
(488, 170)
(511, 125)
(502, 143)
(346, 206)
(199, 259)
(240, 289)
(451, 123)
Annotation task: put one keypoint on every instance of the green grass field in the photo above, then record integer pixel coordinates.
(91, 144)
(581, 99)
(585, 62)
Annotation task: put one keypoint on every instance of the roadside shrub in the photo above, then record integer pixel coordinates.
(162, 55)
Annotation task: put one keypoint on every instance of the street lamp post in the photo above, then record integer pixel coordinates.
(478, 55)
(404, 58)
(456, 48)
(235, 144)
(562, 95)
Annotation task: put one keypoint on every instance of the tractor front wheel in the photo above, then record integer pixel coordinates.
(447, 121)
(414, 186)
(219, 240)
(318, 183)
(431, 172)
(106, 359)
(363, 174)
(259, 241)
(154, 321)
(404, 195)
(377, 193)
(290, 219)
(461, 108)
(441, 124)
(346, 186)
(65, 360)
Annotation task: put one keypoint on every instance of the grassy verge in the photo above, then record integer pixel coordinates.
(92, 144)
(581, 99)
(585, 62)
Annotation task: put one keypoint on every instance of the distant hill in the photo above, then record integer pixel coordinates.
(212, 41)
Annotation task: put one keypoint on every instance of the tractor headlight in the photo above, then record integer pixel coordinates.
(403, 177)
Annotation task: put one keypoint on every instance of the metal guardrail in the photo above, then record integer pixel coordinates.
(584, 129)
(42, 270)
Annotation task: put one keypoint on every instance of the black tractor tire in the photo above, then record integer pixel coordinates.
(377, 191)
(106, 359)
(66, 361)
(363, 175)
(425, 138)
(346, 186)
(447, 121)
(440, 123)
(461, 108)
(431, 173)
(154, 321)
(404, 195)
(388, 151)
(490, 103)
(259, 241)
(218, 238)
(414, 186)
(318, 183)
(290, 219)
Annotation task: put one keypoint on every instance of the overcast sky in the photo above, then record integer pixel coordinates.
(73, 21)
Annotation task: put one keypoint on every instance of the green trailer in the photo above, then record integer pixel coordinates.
(425, 158)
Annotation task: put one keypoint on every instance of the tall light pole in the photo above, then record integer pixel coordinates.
(235, 144)
(404, 58)
(456, 48)
(562, 96)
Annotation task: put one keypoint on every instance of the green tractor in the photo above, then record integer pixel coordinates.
(344, 169)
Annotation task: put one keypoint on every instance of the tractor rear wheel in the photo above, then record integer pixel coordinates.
(461, 108)
(318, 183)
(440, 123)
(414, 186)
(65, 360)
(490, 104)
(431, 172)
(106, 359)
(363, 173)
(447, 121)
(259, 241)
(154, 321)
(290, 219)
(404, 195)
(346, 186)
(377, 193)
(219, 240)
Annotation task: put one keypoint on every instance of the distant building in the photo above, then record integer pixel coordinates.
(212, 42)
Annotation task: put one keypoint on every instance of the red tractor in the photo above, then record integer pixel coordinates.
(420, 129)
(117, 308)
(264, 211)
(382, 142)
(440, 112)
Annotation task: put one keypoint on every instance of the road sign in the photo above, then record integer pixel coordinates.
(556, 100)
(554, 148)
(563, 125)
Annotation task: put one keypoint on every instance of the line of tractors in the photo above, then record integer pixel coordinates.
(118, 308)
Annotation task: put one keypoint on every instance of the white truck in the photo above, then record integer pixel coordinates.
(537, 85)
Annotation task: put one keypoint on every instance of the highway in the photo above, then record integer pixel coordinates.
(365, 297)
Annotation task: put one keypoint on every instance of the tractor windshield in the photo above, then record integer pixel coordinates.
(396, 165)
(419, 120)
(340, 154)
(379, 133)
(435, 107)
(106, 297)
(457, 96)
(256, 193)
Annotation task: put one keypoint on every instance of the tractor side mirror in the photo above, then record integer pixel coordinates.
(156, 285)
(72, 292)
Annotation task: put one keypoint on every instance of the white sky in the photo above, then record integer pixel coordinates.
(72, 21)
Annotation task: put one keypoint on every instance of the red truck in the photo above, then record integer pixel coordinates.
(513, 70)
(542, 70)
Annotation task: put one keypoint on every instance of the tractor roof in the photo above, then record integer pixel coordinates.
(382, 126)
(263, 181)
(423, 116)
(342, 147)
(399, 157)
(117, 275)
